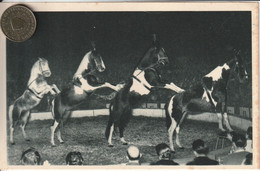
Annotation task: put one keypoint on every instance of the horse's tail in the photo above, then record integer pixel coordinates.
(172, 110)
(110, 121)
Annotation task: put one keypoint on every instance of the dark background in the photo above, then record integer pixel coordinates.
(196, 42)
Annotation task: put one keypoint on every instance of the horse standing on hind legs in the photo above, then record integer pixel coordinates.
(209, 96)
(37, 87)
(85, 82)
(144, 78)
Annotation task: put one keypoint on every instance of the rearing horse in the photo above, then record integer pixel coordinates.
(209, 96)
(37, 87)
(144, 78)
(85, 83)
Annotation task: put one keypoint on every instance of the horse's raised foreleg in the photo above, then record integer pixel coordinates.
(174, 87)
(24, 120)
(53, 86)
(116, 88)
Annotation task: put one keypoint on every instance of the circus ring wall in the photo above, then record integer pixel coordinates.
(242, 119)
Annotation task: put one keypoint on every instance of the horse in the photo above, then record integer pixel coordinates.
(82, 88)
(144, 78)
(208, 96)
(37, 87)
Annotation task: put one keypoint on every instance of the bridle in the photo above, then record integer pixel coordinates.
(159, 61)
(236, 67)
(40, 68)
(160, 58)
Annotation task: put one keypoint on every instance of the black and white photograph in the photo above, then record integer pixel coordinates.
(141, 85)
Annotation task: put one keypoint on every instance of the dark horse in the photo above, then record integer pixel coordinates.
(209, 96)
(145, 77)
(83, 86)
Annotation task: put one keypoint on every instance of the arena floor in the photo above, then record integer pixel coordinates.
(86, 135)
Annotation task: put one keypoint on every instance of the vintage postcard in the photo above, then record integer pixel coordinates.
(129, 85)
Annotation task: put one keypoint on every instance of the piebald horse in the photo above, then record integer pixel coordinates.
(209, 96)
(37, 87)
(85, 83)
(144, 78)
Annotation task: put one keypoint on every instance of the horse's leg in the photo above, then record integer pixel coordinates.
(25, 118)
(220, 124)
(227, 122)
(59, 135)
(178, 130)
(53, 128)
(11, 124)
(64, 118)
(220, 117)
(121, 131)
(110, 136)
(224, 110)
(171, 130)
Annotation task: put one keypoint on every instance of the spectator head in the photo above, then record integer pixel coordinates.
(230, 135)
(199, 147)
(74, 158)
(249, 133)
(163, 151)
(31, 157)
(239, 140)
(133, 153)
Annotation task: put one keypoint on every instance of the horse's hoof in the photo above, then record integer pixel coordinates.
(53, 145)
(13, 143)
(110, 145)
(62, 142)
(125, 143)
(27, 140)
(182, 148)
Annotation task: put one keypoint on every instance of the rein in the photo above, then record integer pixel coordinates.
(34, 93)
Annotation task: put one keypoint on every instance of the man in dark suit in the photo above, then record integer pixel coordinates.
(201, 151)
(164, 153)
(239, 152)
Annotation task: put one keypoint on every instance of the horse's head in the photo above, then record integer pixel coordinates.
(96, 60)
(154, 57)
(43, 67)
(239, 67)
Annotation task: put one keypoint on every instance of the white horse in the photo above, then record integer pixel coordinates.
(37, 87)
